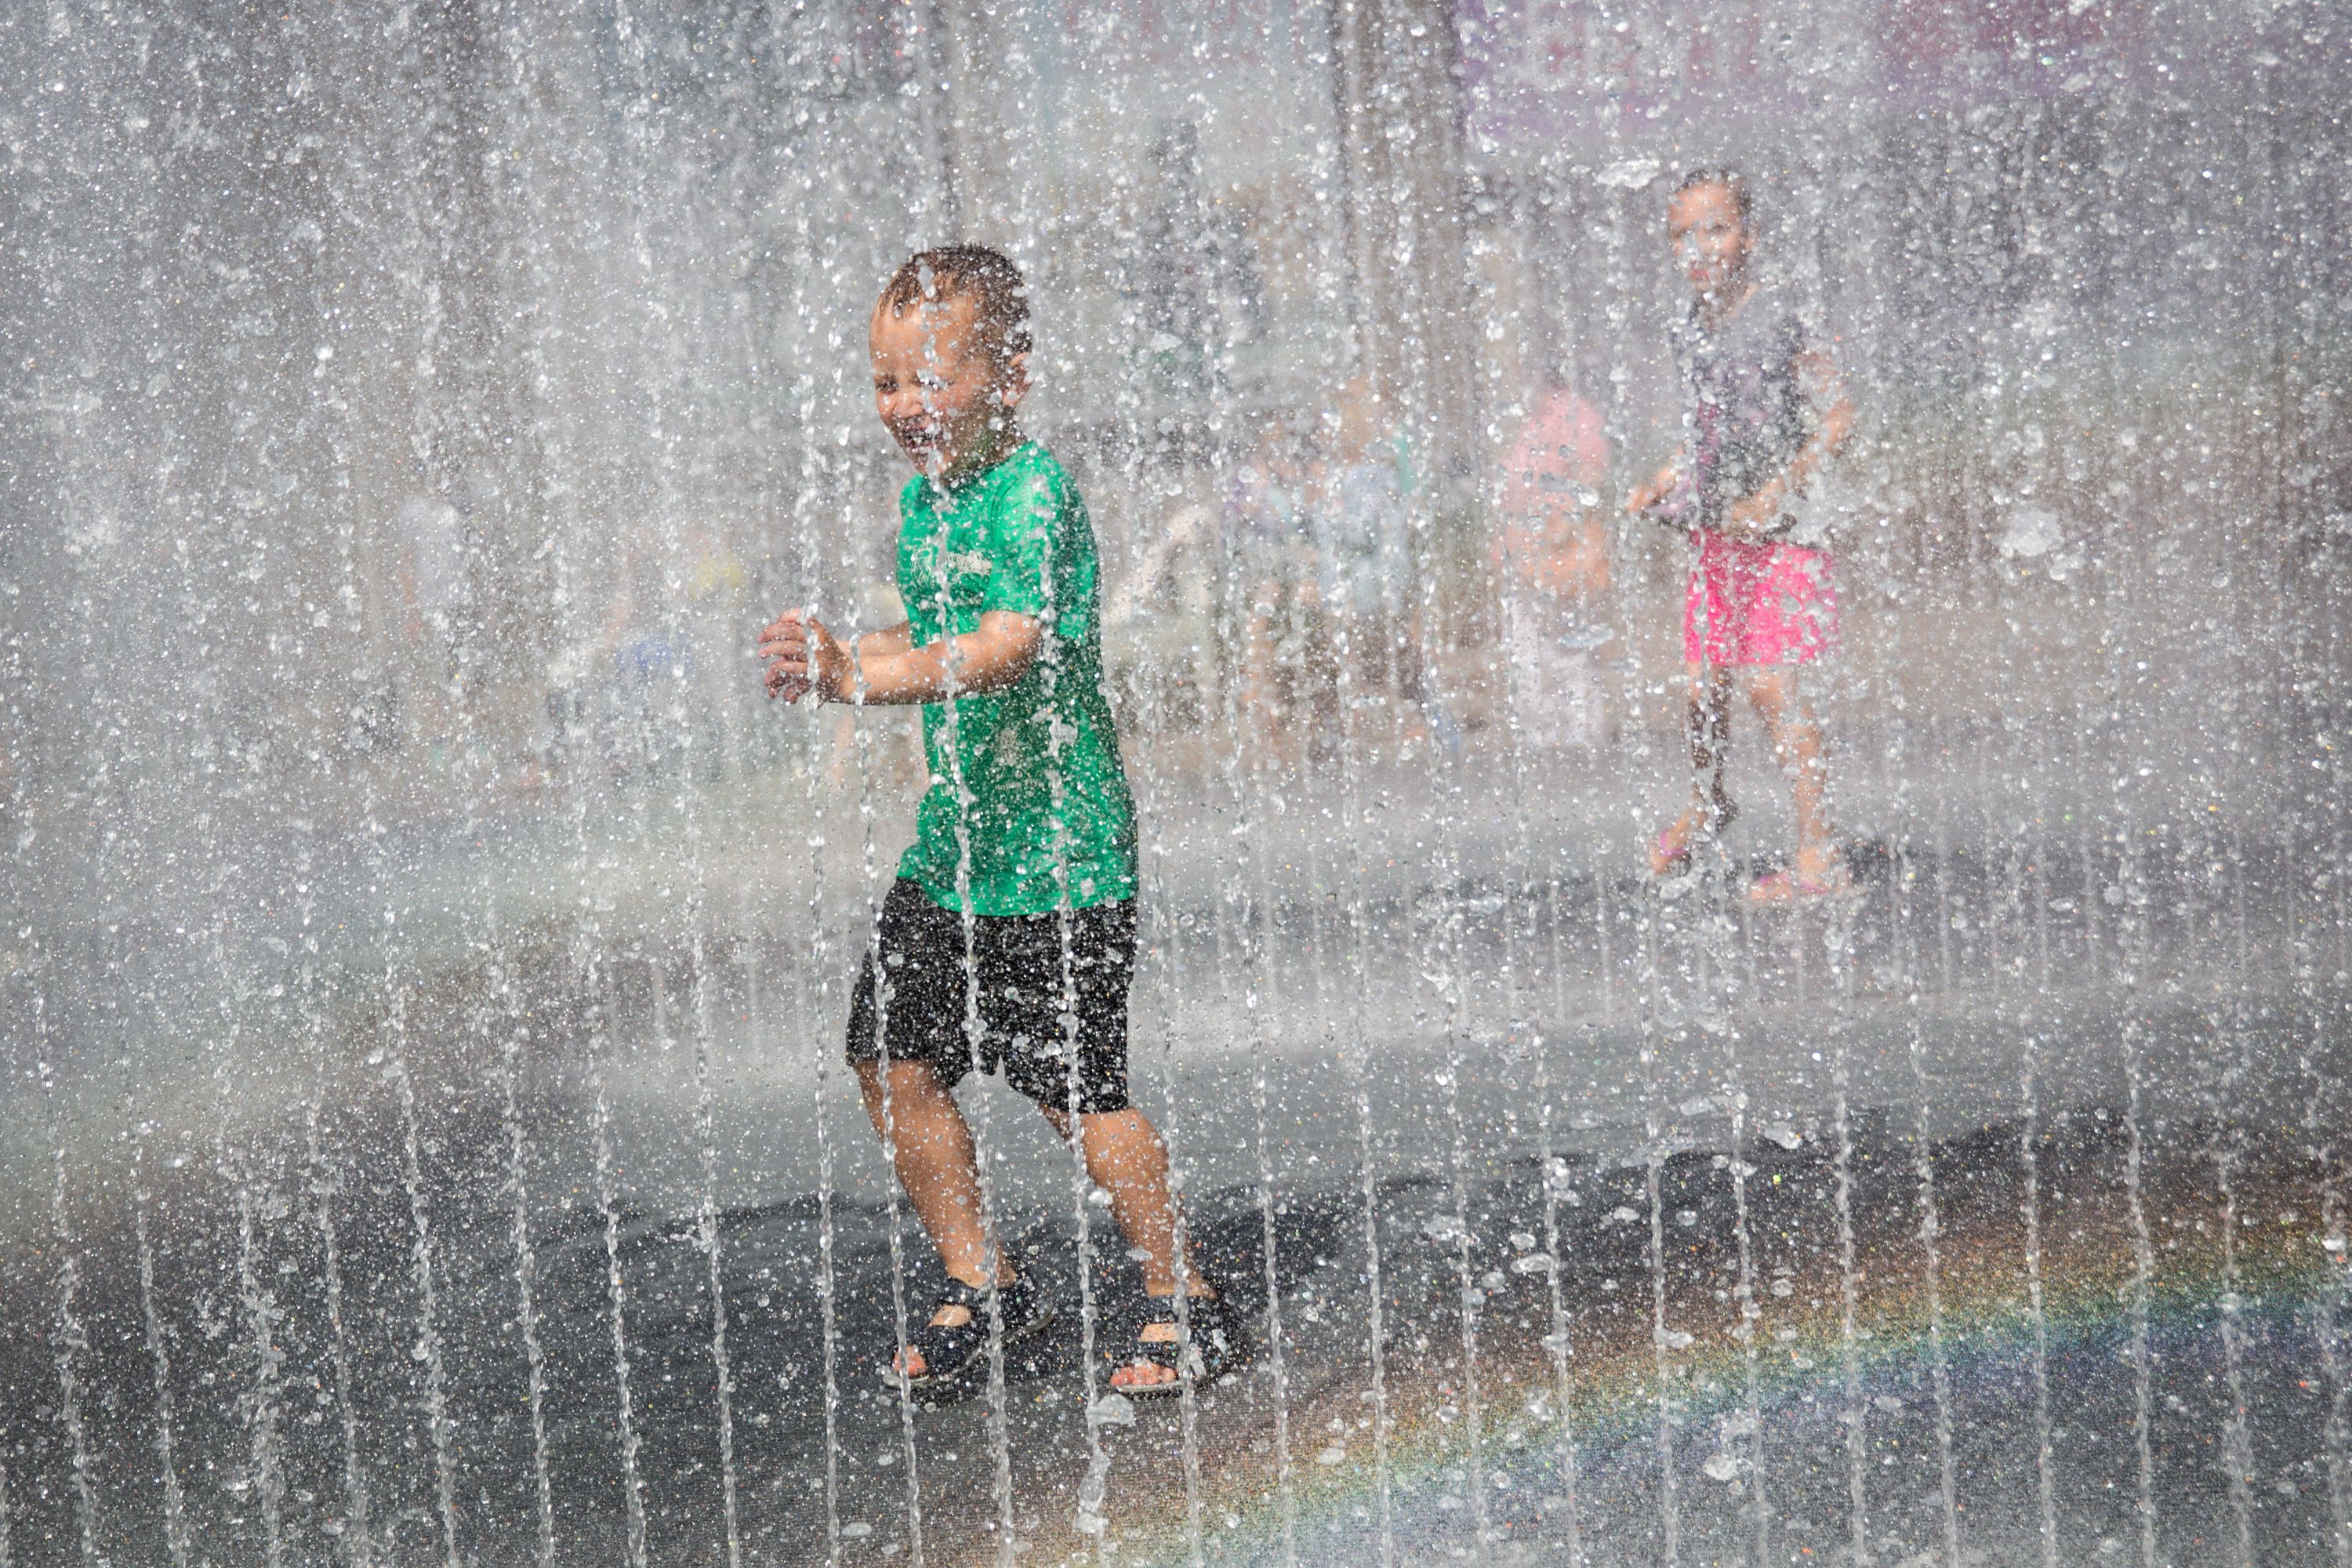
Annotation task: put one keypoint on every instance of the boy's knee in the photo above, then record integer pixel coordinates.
(1092, 1122)
(904, 1077)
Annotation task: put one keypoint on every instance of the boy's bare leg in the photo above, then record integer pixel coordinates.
(1797, 743)
(931, 1144)
(1126, 1158)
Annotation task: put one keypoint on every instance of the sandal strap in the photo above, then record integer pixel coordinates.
(949, 1350)
(1013, 1303)
(937, 1343)
(970, 1297)
(1205, 1315)
(1162, 1308)
(1213, 1343)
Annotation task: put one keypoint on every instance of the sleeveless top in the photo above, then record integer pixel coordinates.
(1744, 413)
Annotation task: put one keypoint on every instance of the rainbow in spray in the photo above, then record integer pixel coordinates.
(1876, 1413)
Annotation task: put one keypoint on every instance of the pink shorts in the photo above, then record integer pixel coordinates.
(1754, 602)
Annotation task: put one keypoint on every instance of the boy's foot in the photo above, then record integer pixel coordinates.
(1827, 878)
(1671, 855)
(1158, 1366)
(956, 1337)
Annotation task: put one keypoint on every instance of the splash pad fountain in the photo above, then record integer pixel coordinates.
(426, 955)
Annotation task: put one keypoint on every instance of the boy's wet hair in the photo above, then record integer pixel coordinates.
(987, 277)
(1742, 200)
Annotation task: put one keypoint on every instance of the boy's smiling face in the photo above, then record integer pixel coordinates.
(945, 397)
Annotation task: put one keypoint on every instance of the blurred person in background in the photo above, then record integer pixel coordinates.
(717, 588)
(1197, 286)
(1364, 571)
(437, 613)
(1551, 556)
(1271, 534)
(1762, 411)
(613, 697)
(1160, 622)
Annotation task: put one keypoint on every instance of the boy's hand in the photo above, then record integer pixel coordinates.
(803, 657)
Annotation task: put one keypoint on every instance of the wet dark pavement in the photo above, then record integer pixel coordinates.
(258, 1445)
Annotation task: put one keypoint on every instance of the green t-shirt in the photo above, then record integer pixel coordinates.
(1016, 537)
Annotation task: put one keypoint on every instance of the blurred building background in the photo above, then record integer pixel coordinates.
(415, 411)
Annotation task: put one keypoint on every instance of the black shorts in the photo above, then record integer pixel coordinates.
(1022, 989)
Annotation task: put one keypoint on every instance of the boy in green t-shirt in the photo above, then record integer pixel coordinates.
(1009, 936)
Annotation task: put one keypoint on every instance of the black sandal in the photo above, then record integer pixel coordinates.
(1215, 1344)
(949, 1353)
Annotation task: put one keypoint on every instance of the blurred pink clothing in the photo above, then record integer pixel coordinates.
(1560, 451)
(1756, 602)
(1559, 459)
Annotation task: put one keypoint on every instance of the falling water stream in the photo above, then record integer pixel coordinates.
(427, 951)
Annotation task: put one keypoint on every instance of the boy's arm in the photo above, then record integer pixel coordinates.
(885, 668)
(804, 656)
(888, 640)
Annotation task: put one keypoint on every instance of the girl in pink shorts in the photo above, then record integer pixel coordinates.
(1762, 411)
